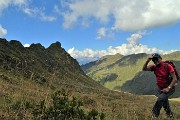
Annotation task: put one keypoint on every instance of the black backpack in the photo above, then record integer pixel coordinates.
(175, 70)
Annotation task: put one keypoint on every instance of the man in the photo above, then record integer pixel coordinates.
(162, 71)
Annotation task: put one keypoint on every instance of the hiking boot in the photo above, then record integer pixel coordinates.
(154, 116)
(169, 115)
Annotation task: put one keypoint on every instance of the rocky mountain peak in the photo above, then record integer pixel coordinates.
(3, 41)
(16, 44)
(56, 45)
(37, 46)
(51, 66)
(37, 57)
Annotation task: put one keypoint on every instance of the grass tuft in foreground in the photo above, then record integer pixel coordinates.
(60, 107)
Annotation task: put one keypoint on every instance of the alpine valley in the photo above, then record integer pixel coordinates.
(124, 73)
(32, 74)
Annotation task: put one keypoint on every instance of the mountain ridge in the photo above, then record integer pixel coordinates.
(33, 73)
(36, 60)
(123, 74)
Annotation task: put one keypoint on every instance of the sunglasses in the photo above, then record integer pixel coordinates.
(154, 59)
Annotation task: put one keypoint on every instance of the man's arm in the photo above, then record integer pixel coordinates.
(145, 67)
(173, 82)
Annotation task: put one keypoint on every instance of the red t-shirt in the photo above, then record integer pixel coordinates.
(162, 73)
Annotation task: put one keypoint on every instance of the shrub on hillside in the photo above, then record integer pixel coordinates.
(62, 107)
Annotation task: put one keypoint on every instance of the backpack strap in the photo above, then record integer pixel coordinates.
(166, 67)
(169, 79)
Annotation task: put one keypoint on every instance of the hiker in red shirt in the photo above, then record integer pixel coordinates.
(166, 88)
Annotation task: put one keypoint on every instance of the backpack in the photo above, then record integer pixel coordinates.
(175, 70)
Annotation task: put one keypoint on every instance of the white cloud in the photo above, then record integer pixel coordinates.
(38, 13)
(101, 33)
(29, 11)
(19, 2)
(47, 17)
(104, 33)
(133, 47)
(89, 55)
(86, 55)
(5, 3)
(3, 31)
(26, 45)
(23, 4)
(131, 15)
(135, 38)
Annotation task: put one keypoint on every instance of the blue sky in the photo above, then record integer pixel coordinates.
(90, 29)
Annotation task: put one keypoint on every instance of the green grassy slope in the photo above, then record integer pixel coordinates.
(127, 69)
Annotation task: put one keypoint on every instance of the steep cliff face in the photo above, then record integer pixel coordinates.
(51, 66)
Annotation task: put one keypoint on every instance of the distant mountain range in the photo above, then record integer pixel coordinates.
(124, 73)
